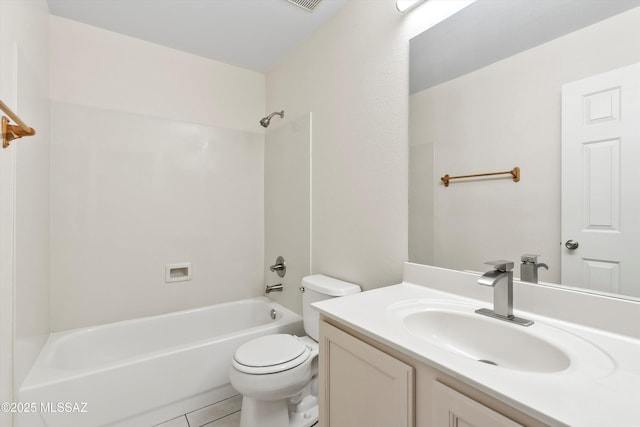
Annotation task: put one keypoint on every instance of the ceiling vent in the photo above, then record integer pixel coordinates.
(307, 5)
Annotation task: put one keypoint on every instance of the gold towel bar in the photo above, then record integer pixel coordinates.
(515, 173)
(11, 132)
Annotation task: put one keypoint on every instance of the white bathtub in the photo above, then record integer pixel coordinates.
(142, 371)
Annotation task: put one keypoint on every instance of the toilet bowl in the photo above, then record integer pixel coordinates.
(272, 373)
(277, 374)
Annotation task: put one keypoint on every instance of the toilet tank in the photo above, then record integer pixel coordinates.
(319, 288)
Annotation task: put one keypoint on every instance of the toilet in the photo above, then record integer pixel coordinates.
(277, 374)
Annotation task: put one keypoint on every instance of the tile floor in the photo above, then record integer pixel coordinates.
(225, 413)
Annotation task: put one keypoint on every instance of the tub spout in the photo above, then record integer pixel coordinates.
(273, 288)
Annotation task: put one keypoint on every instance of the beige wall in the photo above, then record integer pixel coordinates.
(24, 193)
(505, 115)
(157, 159)
(352, 75)
(287, 207)
(99, 68)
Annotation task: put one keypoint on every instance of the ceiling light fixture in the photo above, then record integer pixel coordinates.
(405, 5)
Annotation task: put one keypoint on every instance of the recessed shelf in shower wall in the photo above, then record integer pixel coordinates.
(180, 272)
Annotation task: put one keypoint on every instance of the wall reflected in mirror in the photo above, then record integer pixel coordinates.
(486, 95)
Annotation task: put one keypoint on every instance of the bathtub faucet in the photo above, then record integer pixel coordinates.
(280, 267)
(273, 288)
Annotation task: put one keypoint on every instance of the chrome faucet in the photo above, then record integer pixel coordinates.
(273, 288)
(529, 268)
(501, 280)
(280, 267)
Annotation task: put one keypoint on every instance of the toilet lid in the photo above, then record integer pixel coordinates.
(272, 350)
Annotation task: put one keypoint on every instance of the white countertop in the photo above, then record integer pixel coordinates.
(608, 395)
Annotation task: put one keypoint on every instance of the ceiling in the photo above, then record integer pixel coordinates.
(490, 30)
(252, 34)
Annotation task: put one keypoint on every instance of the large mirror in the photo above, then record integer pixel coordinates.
(487, 96)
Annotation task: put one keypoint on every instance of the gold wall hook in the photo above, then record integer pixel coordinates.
(11, 132)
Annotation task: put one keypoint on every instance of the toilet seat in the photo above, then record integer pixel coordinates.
(270, 354)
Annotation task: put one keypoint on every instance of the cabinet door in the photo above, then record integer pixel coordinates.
(361, 386)
(457, 410)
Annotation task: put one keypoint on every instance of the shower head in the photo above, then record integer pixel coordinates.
(266, 120)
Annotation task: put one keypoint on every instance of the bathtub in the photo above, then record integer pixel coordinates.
(143, 371)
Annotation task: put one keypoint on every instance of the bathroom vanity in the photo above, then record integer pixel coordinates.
(395, 389)
(413, 355)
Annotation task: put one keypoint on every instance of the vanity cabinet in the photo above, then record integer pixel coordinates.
(362, 386)
(457, 410)
(364, 383)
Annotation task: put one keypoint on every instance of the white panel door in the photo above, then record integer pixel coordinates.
(601, 182)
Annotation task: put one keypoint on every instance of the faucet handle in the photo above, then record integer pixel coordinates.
(280, 267)
(501, 265)
(529, 258)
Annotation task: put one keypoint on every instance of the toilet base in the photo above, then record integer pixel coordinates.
(275, 413)
(307, 418)
(264, 413)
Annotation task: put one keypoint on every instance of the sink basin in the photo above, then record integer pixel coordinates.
(455, 327)
(486, 340)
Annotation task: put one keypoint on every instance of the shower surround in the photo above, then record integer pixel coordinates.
(132, 194)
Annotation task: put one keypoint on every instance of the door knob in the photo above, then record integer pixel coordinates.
(571, 244)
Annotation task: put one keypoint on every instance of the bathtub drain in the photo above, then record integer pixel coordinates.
(273, 314)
